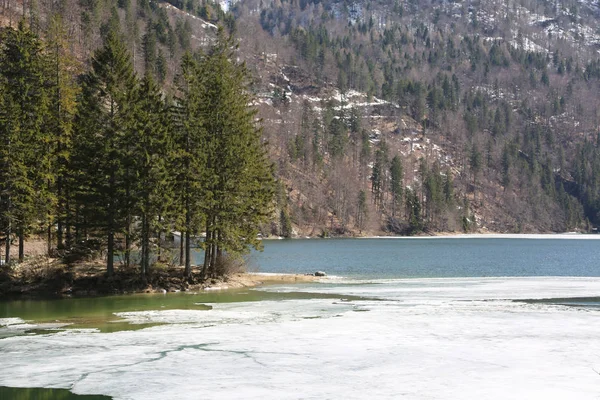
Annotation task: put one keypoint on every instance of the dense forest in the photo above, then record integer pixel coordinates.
(381, 117)
(103, 161)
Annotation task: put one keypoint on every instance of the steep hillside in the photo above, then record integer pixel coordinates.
(395, 116)
(497, 98)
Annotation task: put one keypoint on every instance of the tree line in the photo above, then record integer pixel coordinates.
(103, 157)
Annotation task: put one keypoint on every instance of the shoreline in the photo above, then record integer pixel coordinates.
(535, 236)
(255, 279)
(42, 277)
(451, 235)
(52, 279)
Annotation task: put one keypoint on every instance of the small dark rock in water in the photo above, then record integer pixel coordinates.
(320, 273)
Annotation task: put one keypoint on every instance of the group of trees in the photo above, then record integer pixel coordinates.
(106, 157)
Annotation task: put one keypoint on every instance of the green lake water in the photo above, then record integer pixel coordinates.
(99, 312)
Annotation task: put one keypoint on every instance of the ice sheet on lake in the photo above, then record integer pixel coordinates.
(423, 342)
(17, 326)
(445, 289)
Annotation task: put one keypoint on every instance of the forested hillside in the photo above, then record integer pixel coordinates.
(389, 116)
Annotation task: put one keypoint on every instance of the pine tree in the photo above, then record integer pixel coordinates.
(475, 162)
(397, 177)
(285, 224)
(237, 178)
(413, 211)
(102, 149)
(23, 152)
(63, 90)
(191, 159)
(152, 149)
(161, 67)
(149, 47)
(361, 210)
(379, 174)
(448, 188)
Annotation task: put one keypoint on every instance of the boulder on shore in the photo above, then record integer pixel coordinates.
(320, 273)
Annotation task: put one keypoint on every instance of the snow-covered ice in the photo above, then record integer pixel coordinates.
(459, 338)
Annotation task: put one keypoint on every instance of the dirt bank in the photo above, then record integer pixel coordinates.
(45, 277)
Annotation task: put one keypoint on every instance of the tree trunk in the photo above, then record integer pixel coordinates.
(145, 262)
(60, 212)
(21, 245)
(188, 264)
(143, 251)
(64, 225)
(181, 257)
(110, 269)
(213, 255)
(8, 231)
(7, 253)
(159, 255)
(188, 221)
(128, 242)
(219, 257)
(147, 249)
(49, 237)
(207, 250)
(76, 225)
(59, 221)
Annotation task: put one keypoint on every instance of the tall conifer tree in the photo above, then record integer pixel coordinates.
(238, 178)
(153, 153)
(22, 151)
(62, 96)
(102, 149)
(190, 161)
(397, 177)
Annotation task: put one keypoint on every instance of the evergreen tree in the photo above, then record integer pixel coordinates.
(377, 178)
(191, 155)
(361, 210)
(237, 177)
(63, 91)
(448, 188)
(475, 162)
(285, 224)
(149, 47)
(379, 174)
(433, 187)
(102, 149)
(161, 67)
(413, 211)
(397, 177)
(23, 154)
(152, 148)
(506, 162)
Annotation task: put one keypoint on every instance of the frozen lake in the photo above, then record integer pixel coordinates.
(370, 333)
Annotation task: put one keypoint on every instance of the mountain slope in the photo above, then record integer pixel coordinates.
(491, 107)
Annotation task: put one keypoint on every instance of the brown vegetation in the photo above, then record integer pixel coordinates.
(41, 276)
